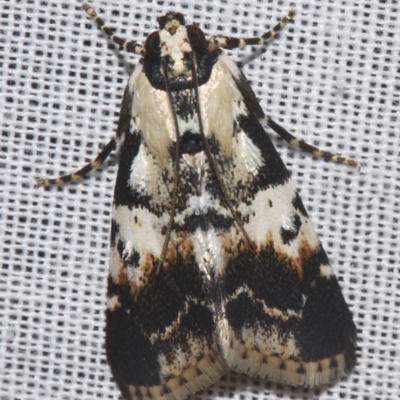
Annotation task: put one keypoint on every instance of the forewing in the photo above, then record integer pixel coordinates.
(283, 315)
(160, 333)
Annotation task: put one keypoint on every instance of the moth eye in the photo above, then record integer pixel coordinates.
(196, 37)
(152, 45)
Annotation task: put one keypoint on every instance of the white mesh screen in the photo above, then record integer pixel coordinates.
(331, 78)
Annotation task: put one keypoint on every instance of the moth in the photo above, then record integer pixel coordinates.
(215, 265)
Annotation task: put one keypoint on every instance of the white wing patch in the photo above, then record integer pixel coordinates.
(326, 271)
(152, 114)
(139, 179)
(209, 255)
(273, 209)
(220, 100)
(250, 153)
(147, 239)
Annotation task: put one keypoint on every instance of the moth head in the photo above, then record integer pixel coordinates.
(175, 41)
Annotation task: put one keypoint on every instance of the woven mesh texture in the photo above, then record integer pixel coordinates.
(332, 78)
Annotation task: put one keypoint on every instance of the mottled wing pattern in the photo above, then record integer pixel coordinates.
(283, 315)
(274, 311)
(160, 334)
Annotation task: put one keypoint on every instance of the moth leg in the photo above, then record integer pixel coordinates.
(129, 47)
(315, 151)
(229, 42)
(78, 175)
